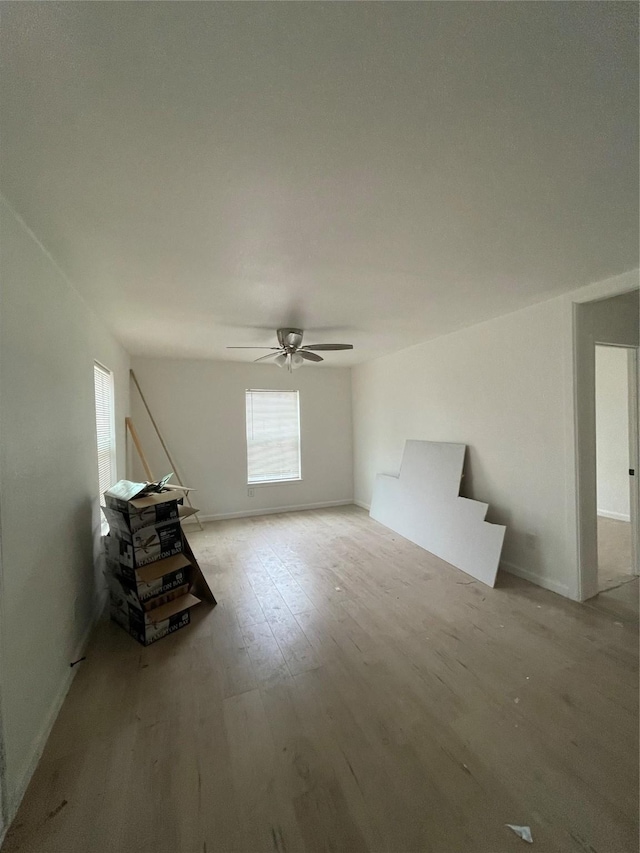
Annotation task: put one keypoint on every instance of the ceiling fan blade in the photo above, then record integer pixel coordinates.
(328, 346)
(263, 357)
(310, 356)
(253, 348)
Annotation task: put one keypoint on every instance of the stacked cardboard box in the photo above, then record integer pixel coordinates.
(151, 570)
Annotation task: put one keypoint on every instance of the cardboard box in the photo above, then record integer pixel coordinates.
(135, 549)
(119, 588)
(150, 626)
(149, 586)
(123, 524)
(141, 512)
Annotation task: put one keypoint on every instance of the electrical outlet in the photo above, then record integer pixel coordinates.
(250, 492)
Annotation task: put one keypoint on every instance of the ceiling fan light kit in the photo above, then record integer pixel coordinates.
(290, 353)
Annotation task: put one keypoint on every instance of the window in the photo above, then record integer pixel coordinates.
(105, 429)
(273, 436)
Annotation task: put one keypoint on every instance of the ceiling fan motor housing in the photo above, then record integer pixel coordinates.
(290, 339)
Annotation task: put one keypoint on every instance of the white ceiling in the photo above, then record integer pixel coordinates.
(377, 173)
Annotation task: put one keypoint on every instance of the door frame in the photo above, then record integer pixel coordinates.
(634, 456)
(582, 542)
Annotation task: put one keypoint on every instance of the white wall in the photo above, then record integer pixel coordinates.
(496, 388)
(51, 588)
(612, 432)
(200, 409)
(501, 387)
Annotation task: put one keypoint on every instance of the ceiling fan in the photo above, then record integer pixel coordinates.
(291, 354)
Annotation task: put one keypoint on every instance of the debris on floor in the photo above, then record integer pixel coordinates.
(56, 810)
(523, 832)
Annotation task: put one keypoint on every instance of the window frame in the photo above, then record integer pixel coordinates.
(279, 482)
(113, 470)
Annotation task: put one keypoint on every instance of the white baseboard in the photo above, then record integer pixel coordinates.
(362, 504)
(14, 797)
(249, 513)
(538, 580)
(618, 516)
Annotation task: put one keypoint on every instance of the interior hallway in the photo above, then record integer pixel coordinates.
(614, 553)
(350, 692)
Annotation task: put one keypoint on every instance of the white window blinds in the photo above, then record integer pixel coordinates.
(105, 431)
(273, 436)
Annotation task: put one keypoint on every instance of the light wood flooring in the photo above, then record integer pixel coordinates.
(350, 692)
(614, 553)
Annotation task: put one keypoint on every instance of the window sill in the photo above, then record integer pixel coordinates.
(263, 483)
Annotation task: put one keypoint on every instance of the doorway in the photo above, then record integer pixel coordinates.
(613, 321)
(616, 439)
